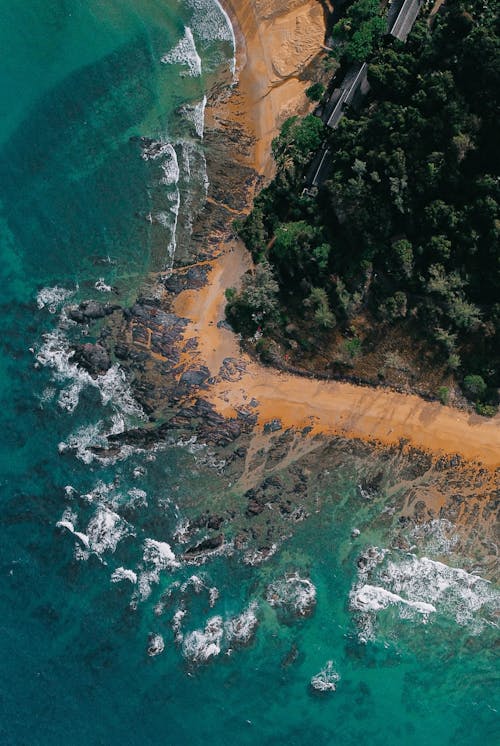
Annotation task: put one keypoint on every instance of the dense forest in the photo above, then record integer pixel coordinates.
(404, 232)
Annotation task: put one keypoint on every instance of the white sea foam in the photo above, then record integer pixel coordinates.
(68, 520)
(101, 494)
(240, 629)
(194, 582)
(438, 536)
(454, 591)
(157, 556)
(181, 533)
(258, 556)
(292, 593)
(101, 286)
(210, 22)
(82, 440)
(104, 531)
(185, 53)
(196, 114)
(374, 598)
(202, 644)
(327, 679)
(53, 298)
(47, 395)
(121, 573)
(137, 498)
(156, 645)
(155, 149)
(172, 244)
(177, 624)
(418, 587)
(170, 166)
(213, 595)
(113, 387)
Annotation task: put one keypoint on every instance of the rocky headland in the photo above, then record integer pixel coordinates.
(274, 436)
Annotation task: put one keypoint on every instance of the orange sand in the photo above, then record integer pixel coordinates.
(280, 37)
(277, 39)
(330, 407)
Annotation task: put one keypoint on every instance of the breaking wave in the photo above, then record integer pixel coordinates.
(104, 531)
(200, 645)
(57, 354)
(157, 557)
(52, 298)
(210, 22)
(185, 53)
(293, 594)
(421, 589)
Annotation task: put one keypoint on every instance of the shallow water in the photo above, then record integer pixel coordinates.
(91, 550)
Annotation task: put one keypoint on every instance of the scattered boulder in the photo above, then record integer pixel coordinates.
(207, 545)
(94, 358)
(90, 310)
(273, 426)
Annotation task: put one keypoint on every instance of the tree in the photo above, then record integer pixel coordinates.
(257, 302)
(297, 141)
(360, 29)
(315, 91)
(323, 316)
(403, 254)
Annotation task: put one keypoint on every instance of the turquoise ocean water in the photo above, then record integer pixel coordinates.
(90, 568)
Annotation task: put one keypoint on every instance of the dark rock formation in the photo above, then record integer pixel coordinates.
(94, 358)
(90, 310)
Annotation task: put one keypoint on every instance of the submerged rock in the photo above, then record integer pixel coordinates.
(156, 645)
(325, 680)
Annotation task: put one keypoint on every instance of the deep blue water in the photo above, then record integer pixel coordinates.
(80, 83)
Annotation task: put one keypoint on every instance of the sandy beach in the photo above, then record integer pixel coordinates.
(272, 53)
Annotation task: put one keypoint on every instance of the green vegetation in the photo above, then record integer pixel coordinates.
(406, 228)
(444, 394)
(256, 304)
(315, 91)
(360, 29)
(475, 386)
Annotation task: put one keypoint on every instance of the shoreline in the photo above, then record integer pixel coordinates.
(330, 408)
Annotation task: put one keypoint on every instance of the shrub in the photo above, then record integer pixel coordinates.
(486, 410)
(353, 347)
(474, 386)
(444, 394)
(315, 92)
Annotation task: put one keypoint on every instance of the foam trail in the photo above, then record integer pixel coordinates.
(185, 53)
(196, 115)
(207, 25)
(375, 598)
